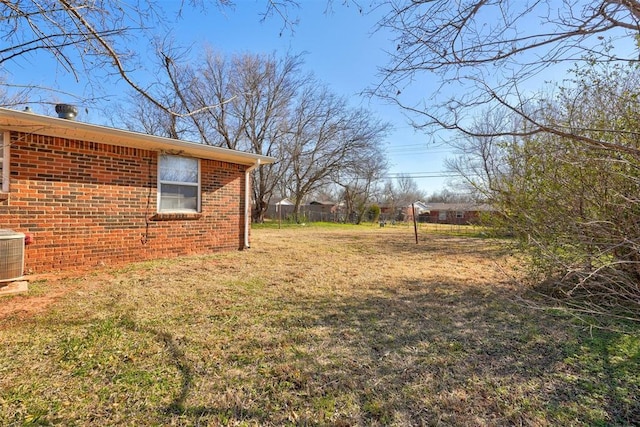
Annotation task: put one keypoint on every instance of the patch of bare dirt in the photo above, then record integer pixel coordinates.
(49, 288)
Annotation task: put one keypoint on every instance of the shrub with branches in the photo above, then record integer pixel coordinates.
(574, 208)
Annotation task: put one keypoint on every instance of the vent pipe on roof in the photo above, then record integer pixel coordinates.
(66, 111)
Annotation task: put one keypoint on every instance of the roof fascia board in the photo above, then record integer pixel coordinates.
(52, 126)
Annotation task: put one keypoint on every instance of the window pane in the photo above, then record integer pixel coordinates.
(178, 197)
(178, 169)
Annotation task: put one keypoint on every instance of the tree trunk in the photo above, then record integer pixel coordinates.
(296, 211)
(259, 210)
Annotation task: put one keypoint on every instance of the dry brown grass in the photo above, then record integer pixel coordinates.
(312, 326)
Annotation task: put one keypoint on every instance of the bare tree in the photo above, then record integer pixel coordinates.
(267, 106)
(144, 115)
(328, 141)
(263, 105)
(488, 53)
(573, 208)
(12, 99)
(400, 193)
(480, 162)
(407, 190)
(92, 40)
(83, 37)
(253, 94)
(449, 196)
(139, 115)
(361, 184)
(239, 102)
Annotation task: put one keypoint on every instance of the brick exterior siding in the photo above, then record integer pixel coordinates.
(90, 204)
(468, 217)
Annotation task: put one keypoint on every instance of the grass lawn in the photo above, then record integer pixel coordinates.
(336, 326)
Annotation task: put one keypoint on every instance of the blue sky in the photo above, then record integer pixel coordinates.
(342, 48)
(339, 46)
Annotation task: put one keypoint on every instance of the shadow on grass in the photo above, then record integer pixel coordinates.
(447, 354)
(409, 354)
(183, 366)
(420, 354)
(188, 375)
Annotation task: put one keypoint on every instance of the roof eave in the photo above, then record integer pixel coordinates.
(52, 126)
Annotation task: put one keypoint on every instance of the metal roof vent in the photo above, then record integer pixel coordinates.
(66, 111)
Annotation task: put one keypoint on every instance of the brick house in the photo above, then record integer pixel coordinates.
(454, 213)
(406, 212)
(91, 195)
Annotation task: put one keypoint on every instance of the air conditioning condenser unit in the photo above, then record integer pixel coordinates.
(11, 255)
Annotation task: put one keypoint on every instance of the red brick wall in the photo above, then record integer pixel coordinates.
(469, 217)
(88, 204)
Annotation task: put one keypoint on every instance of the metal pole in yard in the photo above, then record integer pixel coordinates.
(415, 223)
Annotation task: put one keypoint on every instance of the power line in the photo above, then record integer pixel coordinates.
(436, 174)
(417, 148)
(418, 144)
(414, 153)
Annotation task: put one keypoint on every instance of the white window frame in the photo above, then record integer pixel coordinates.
(459, 214)
(198, 185)
(5, 160)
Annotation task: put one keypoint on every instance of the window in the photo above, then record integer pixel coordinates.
(459, 214)
(4, 162)
(178, 184)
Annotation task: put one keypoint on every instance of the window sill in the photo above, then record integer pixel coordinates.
(175, 216)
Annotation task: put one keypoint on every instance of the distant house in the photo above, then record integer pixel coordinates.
(92, 195)
(454, 213)
(325, 210)
(407, 212)
(281, 209)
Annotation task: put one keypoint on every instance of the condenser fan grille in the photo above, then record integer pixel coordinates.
(11, 255)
